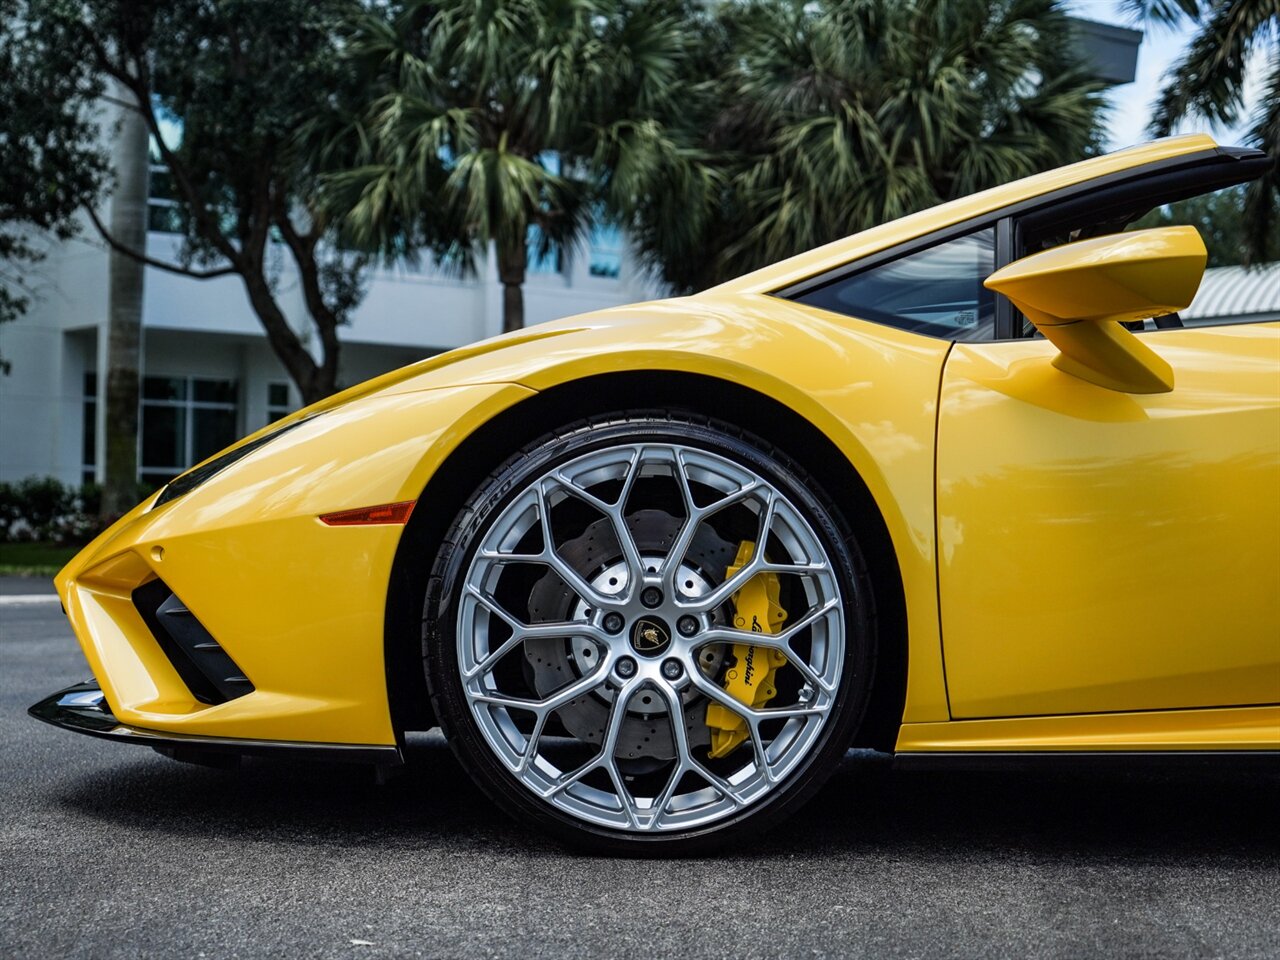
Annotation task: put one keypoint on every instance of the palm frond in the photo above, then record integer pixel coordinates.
(1263, 195)
(833, 116)
(1164, 11)
(1208, 81)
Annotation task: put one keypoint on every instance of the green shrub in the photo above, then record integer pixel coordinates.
(42, 509)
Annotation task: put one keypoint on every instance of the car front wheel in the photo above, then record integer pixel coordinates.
(649, 633)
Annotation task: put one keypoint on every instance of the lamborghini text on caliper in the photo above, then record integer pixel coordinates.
(749, 679)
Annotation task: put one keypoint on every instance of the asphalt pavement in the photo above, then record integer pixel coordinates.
(109, 851)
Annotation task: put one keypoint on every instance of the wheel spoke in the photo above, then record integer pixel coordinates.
(531, 746)
(534, 631)
(785, 635)
(760, 751)
(551, 558)
(779, 641)
(663, 801)
(624, 796)
(733, 584)
(752, 714)
(608, 744)
(694, 515)
(493, 556)
(810, 675)
(617, 714)
(520, 632)
(680, 738)
(801, 569)
(774, 642)
(548, 704)
(491, 660)
(686, 762)
(615, 512)
(568, 780)
(752, 719)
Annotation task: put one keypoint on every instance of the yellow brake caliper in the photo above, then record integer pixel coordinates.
(750, 679)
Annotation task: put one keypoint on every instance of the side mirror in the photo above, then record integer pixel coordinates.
(1078, 294)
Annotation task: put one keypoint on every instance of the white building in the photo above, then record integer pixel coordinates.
(209, 375)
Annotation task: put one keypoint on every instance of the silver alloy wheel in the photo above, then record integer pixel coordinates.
(525, 729)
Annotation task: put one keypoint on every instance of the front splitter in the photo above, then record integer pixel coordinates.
(83, 708)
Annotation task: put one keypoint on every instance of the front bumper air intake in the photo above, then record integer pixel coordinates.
(207, 669)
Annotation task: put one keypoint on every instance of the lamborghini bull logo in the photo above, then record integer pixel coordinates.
(650, 636)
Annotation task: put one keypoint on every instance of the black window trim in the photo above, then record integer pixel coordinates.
(1006, 221)
(1006, 313)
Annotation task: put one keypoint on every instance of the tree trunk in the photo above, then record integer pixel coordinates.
(314, 381)
(512, 260)
(124, 318)
(320, 379)
(512, 307)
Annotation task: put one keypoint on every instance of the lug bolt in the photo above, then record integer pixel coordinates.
(613, 622)
(651, 596)
(687, 625)
(625, 667)
(671, 669)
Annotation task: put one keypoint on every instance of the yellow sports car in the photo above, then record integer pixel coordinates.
(963, 484)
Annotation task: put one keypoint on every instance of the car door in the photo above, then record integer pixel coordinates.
(1102, 551)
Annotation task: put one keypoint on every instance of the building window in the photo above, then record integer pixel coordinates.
(89, 429)
(537, 261)
(604, 251)
(184, 420)
(278, 401)
(164, 213)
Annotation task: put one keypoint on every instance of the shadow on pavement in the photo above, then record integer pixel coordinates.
(1170, 817)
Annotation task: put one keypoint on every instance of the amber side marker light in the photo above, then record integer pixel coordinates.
(367, 516)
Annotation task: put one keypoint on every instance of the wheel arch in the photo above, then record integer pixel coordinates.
(698, 394)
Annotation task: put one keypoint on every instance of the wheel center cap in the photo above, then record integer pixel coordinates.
(650, 636)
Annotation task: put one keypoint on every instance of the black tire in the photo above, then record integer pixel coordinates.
(440, 647)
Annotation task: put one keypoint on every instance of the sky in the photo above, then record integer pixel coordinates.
(1161, 47)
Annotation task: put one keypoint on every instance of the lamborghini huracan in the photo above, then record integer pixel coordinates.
(965, 486)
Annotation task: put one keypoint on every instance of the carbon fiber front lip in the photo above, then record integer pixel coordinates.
(82, 708)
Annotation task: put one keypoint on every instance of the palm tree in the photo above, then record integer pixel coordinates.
(1209, 82)
(819, 118)
(124, 315)
(486, 121)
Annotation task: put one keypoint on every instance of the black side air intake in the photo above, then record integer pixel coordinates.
(207, 670)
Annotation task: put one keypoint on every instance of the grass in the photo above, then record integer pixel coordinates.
(34, 559)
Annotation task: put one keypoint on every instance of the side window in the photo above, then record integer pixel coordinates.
(937, 291)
